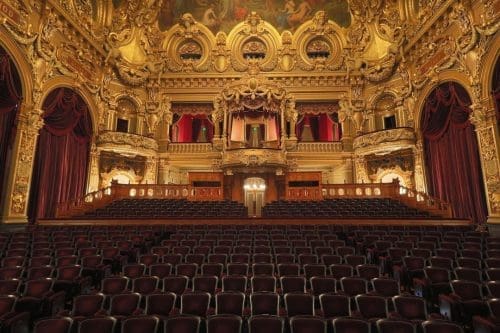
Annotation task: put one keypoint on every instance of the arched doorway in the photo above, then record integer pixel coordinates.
(62, 153)
(451, 152)
(255, 189)
(10, 99)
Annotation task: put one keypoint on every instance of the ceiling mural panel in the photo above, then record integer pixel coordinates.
(223, 15)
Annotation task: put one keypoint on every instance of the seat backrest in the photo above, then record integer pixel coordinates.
(160, 304)
(38, 288)
(54, 325)
(308, 324)
(205, 283)
(440, 326)
(145, 284)
(293, 284)
(144, 324)
(230, 303)
(395, 326)
(234, 283)
(195, 303)
(266, 323)
(175, 283)
(114, 285)
(350, 325)
(263, 283)
(124, 304)
(370, 306)
(410, 307)
(386, 287)
(97, 325)
(467, 290)
(323, 284)
(7, 304)
(182, 324)
(87, 305)
(353, 286)
(299, 304)
(10, 287)
(224, 323)
(264, 303)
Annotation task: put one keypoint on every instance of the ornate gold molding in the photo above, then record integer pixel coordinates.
(132, 142)
(396, 138)
(319, 147)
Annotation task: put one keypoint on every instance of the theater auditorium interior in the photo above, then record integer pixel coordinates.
(250, 166)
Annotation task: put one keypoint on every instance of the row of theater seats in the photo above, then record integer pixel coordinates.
(168, 208)
(343, 208)
(245, 262)
(228, 323)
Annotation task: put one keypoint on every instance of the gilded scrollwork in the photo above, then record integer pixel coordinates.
(126, 139)
(401, 135)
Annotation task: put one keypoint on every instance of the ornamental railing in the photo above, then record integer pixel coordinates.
(394, 190)
(105, 196)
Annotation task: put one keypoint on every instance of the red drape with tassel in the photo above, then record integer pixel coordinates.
(451, 152)
(10, 98)
(62, 153)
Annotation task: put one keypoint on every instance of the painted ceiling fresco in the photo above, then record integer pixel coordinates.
(223, 15)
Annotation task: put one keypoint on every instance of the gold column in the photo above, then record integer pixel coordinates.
(360, 170)
(93, 182)
(151, 172)
(486, 127)
(18, 179)
(419, 172)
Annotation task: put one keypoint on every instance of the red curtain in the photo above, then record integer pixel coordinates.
(10, 98)
(62, 154)
(322, 127)
(451, 152)
(496, 90)
(189, 127)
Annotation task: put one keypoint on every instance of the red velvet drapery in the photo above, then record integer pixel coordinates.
(496, 89)
(322, 127)
(10, 98)
(62, 153)
(189, 126)
(451, 152)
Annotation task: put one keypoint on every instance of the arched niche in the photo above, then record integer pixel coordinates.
(62, 153)
(451, 151)
(126, 120)
(385, 112)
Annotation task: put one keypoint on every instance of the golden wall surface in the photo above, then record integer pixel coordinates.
(127, 63)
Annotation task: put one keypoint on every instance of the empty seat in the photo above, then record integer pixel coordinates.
(140, 324)
(182, 324)
(97, 325)
(299, 304)
(226, 323)
(266, 324)
(54, 325)
(440, 326)
(230, 303)
(264, 303)
(307, 324)
(350, 325)
(195, 303)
